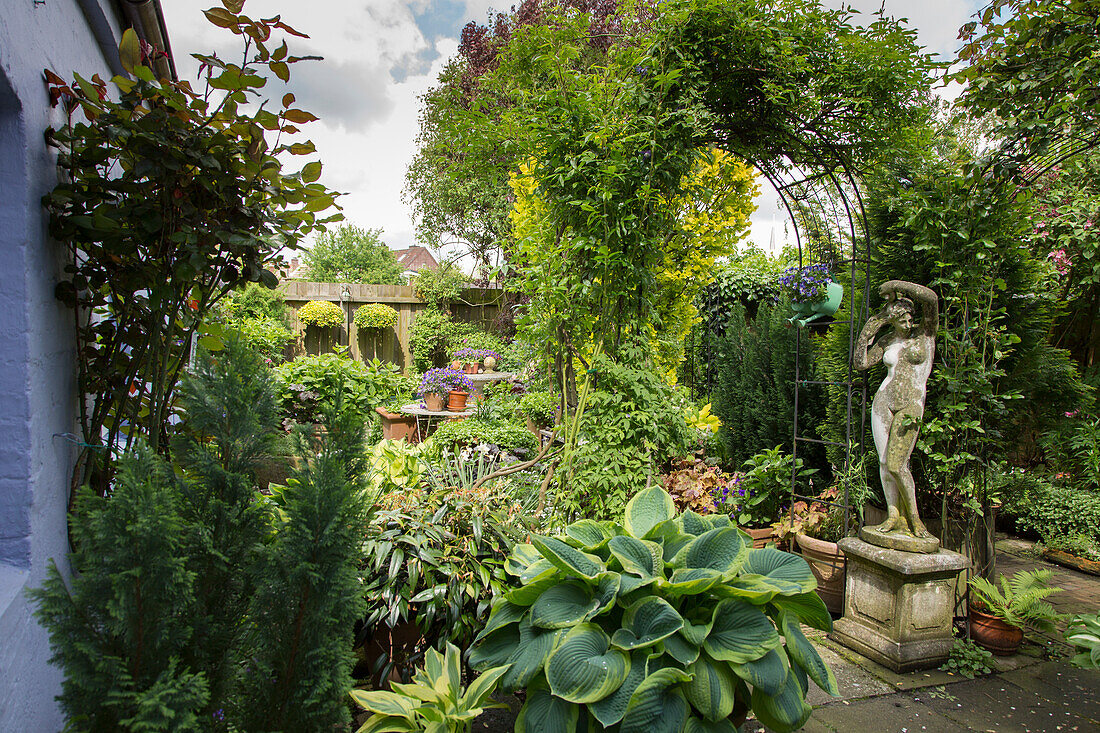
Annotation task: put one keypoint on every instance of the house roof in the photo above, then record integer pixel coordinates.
(416, 258)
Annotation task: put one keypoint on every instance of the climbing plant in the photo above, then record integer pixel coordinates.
(171, 197)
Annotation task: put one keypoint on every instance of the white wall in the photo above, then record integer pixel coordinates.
(37, 373)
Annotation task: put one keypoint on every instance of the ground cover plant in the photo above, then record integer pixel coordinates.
(657, 623)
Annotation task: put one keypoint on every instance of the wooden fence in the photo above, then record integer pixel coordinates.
(477, 306)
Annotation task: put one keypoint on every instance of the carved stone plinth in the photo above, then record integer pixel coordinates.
(898, 606)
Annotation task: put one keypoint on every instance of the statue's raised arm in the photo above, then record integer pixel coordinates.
(926, 297)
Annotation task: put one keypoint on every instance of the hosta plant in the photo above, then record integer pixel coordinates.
(662, 623)
(1084, 633)
(434, 702)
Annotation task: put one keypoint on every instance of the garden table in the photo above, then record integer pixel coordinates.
(426, 416)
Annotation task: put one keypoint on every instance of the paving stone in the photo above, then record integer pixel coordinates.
(1078, 690)
(886, 714)
(853, 681)
(994, 705)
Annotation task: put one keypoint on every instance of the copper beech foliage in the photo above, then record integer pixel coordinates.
(171, 197)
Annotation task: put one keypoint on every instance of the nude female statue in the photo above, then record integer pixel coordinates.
(907, 351)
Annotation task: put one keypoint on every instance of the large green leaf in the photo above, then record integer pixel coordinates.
(680, 649)
(647, 622)
(690, 581)
(741, 633)
(768, 673)
(588, 534)
(640, 557)
(607, 590)
(712, 689)
(545, 713)
(718, 520)
(631, 583)
(503, 613)
(564, 605)
(538, 569)
(716, 549)
(530, 591)
(695, 725)
(569, 559)
(658, 705)
(530, 654)
(385, 703)
(753, 588)
(808, 607)
(671, 538)
(789, 573)
(520, 558)
(388, 724)
(494, 648)
(784, 712)
(695, 630)
(647, 509)
(477, 694)
(803, 653)
(584, 668)
(693, 524)
(611, 709)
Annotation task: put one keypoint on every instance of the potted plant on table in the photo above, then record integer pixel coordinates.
(816, 527)
(812, 292)
(444, 381)
(998, 615)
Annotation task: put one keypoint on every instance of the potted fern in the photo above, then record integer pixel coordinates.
(998, 615)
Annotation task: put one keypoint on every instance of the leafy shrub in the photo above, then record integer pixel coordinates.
(767, 485)
(433, 335)
(527, 360)
(482, 341)
(540, 407)
(266, 335)
(467, 354)
(259, 316)
(1084, 633)
(308, 386)
(397, 466)
(473, 431)
(321, 313)
(1078, 545)
(436, 559)
(434, 701)
(968, 660)
(1053, 512)
(1019, 600)
(440, 287)
(375, 315)
(663, 622)
(694, 485)
(255, 301)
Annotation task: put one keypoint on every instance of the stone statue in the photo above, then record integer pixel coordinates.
(907, 350)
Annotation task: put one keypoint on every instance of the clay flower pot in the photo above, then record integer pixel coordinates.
(761, 537)
(456, 400)
(433, 401)
(456, 364)
(990, 632)
(396, 426)
(470, 367)
(828, 564)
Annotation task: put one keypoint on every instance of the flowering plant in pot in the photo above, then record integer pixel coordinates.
(470, 356)
(754, 501)
(812, 292)
(436, 383)
(998, 615)
(815, 527)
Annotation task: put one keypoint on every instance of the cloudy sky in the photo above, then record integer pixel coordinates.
(381, 55)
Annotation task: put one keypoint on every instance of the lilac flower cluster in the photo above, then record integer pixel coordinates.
(805, 284)
(732, 496)
(468, 354)
(443, 380)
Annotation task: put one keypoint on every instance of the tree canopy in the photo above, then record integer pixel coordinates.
(350, 254)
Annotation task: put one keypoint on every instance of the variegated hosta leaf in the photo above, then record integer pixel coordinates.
(530, 654)
(476, 697)
(690, 581)
(658, 705)
(538, 569)
(521, 558)
(530, 591)
(385, 703)
(631, 583)
(718, 520)
(646, 623)
(671, 538)
(646, 510)
(568, 559)
(695, 725)
(584, 668)
(789, 573)
(769, 673)
(588, 535)
(716, 549)
(545, 713)
(680, 649)
(784, 712)
(695, 630)
(494, 648)
(564, 605)
(741, 633)
(388, 724)
(638, 557)
(803, 653)
(503, 613)
(712, 689)
(693, 524)
(808, 607)
(607, 590)
(752, 588)
(611, 709)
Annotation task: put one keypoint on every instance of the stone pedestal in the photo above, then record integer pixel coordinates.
(898, 606)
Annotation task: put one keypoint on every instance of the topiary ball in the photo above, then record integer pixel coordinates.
(375, 315)
(321, 313)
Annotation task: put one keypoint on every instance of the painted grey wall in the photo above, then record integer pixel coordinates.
(37, 374)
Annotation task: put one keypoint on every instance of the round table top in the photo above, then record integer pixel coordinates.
(490, 376)
(414, 408)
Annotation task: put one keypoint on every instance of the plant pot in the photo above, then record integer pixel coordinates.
(396, 426)
(470, 367)
(809, 312)
(456, 400)
(456, 365)
(827, 562)
(433, 401)
(990, 632)
(490, 363)
(761, 537)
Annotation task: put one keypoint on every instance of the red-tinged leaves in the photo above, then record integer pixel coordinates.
(223, 19)
(129, 50)
(280, 53)
(281, 70)
(233, 6)
(288, 99)
(299, 116)
(53, 78)
(288, 29)
(302, 148)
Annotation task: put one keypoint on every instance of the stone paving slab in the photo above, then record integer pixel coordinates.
(886, 714)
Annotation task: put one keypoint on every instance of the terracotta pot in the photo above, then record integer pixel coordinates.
(433, 401)
(456, 364)
(761, 537)
(396, 426)
(456, 400)
(990, 632)
(828, 564)
(490, 363)
(470, 367)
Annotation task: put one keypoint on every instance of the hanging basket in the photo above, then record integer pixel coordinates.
(806, 313)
